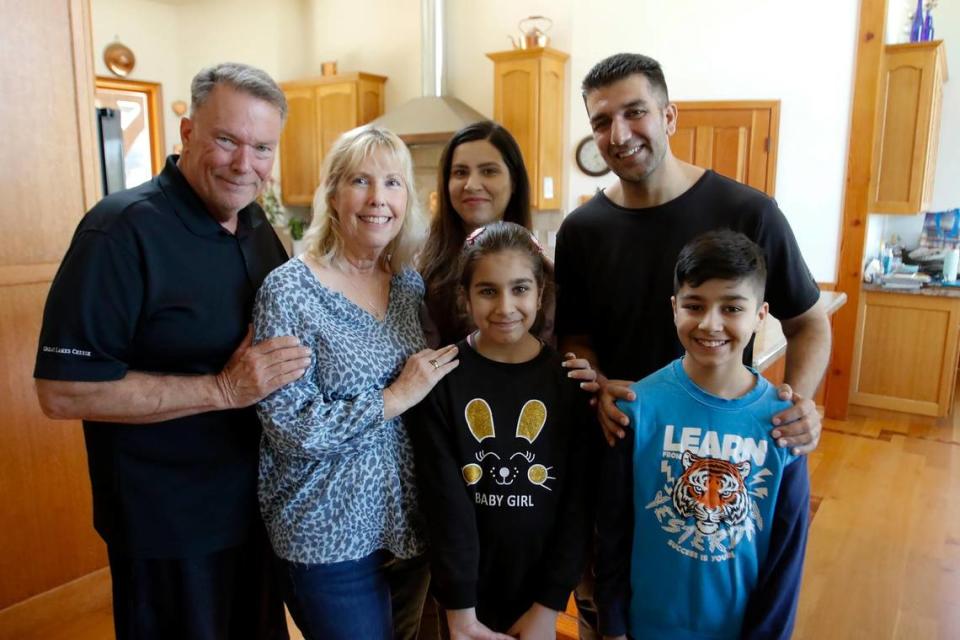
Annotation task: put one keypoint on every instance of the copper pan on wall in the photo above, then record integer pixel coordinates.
(119, 59)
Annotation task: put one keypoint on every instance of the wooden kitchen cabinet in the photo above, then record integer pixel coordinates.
(528, 99)
(906, 352)
(736, 138)
(318, 111)
(908, 127)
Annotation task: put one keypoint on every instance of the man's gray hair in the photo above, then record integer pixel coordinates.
(241, 77)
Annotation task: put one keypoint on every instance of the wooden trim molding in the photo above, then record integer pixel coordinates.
(17, 274)
(82, 52)
(855, 200)
(74, 599)
(154, 95)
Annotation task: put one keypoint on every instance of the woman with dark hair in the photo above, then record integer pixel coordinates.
(482, 179)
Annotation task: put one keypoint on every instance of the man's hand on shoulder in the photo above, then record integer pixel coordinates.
(799, 426)
(611, 418)
(255, 371)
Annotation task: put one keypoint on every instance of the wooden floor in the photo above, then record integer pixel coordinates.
(883, 559)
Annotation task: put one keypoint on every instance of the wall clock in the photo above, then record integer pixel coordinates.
(589, 159)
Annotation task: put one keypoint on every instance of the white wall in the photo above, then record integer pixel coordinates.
(151, 30)
(376, 36)
(946, 187)
(267, 35)
(478, 28)
(172, 41)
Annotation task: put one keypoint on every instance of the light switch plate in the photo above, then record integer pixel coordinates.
(548, 188)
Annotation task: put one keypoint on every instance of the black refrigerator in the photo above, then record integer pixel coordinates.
(111, 150)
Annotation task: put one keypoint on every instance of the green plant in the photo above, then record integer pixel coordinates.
(277, 215)
(296, 226)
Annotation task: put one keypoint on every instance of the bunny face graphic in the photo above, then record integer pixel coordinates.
(506, 470)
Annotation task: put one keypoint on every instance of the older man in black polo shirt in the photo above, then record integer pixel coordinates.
(145, 337)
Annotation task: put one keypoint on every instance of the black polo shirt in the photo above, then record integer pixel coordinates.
(151, 282)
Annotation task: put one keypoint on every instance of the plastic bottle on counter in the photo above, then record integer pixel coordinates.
(950, 263)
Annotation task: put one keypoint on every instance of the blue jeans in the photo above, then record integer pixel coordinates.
(376, 597)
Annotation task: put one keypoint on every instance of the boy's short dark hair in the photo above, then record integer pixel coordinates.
(622, 65)
(721, 255)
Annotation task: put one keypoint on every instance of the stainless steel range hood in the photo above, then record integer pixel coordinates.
(434, 117)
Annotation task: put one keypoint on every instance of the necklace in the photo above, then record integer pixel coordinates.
(350, 286)
(376, 306)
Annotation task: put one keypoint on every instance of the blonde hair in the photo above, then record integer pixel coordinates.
(323, 238)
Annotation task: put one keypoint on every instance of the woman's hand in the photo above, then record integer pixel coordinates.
(464, 625)
(580, 369)
(421, 372)
(537, 623)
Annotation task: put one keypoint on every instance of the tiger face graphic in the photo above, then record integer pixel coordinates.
(712, 491)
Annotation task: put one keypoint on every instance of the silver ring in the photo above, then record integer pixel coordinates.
(436, 365)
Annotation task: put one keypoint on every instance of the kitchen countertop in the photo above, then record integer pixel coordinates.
(940, 292)
(771, 344)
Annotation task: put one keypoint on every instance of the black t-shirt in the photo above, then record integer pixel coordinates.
(505, 456)
(615, 269)
(151, 282)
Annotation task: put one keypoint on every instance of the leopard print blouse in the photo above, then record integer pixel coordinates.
(336, 479)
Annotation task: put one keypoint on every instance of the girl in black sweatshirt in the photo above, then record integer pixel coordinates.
(504, 449)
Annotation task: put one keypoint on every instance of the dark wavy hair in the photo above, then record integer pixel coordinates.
(438, 261)
(498, 237)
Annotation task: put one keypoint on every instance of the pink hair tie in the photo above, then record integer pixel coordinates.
(475, 234)
(536, 243)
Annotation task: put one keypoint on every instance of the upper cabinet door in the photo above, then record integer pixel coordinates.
(737, 139)
(336, 112)
(528, 90)
(319, 111)
(516, 91)
(299, 155)
(908, 127)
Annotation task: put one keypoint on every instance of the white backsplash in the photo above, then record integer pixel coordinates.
(880, 227)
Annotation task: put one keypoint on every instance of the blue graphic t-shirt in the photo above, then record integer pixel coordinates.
(706, 475)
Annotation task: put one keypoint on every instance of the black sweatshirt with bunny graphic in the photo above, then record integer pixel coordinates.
(506, 457)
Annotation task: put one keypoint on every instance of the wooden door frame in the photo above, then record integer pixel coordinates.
(745, 105)
(863, 123)
(154, 96)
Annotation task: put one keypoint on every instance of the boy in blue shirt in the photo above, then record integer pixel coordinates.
(702, 524)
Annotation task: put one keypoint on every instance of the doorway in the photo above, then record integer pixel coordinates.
(137, 104)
